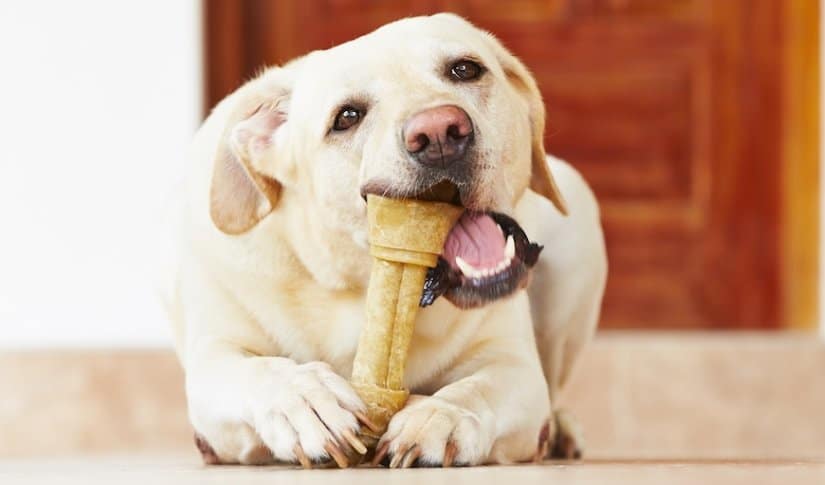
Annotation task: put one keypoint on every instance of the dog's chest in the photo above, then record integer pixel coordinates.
(314, 324)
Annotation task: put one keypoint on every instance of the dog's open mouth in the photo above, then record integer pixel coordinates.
(487, 256)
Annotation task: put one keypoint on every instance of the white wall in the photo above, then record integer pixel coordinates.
(98, 101)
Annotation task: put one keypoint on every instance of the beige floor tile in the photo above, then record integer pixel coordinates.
(161, 470)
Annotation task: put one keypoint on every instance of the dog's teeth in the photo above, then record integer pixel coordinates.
(465, 267)
(471, 271)
(509, 248)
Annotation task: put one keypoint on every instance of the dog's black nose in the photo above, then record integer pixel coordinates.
(439, 136)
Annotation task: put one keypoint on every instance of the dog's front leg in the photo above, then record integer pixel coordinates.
(493, 406)
(248, 404)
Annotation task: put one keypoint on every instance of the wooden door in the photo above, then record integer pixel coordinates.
(694, 121)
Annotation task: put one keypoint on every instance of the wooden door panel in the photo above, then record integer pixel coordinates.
(627, 99)
(638, 115)
(671, 109)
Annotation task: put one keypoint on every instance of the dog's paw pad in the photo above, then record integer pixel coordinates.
(568, 443)
(207, 453)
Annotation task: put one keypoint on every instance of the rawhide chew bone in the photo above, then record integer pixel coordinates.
(406, 238)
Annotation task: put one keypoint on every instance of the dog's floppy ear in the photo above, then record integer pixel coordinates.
(541, 180)
(240, 194)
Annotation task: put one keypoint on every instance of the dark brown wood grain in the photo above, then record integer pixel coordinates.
(676, 111)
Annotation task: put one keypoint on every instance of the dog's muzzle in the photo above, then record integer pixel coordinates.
(487, 255)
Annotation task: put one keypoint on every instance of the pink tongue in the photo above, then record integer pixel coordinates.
(477, 239)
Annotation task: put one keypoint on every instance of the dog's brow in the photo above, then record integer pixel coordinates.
(463, 56)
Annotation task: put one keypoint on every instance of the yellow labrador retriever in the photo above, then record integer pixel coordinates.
(268, 282)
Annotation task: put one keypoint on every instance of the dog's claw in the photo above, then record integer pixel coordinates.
(399, 456)
(363, 418)
(302, 457)
(380, 453)
(335, 452)
(353, 441)
(450, 451)
(410, 456)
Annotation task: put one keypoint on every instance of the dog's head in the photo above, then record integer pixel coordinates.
(426, 107)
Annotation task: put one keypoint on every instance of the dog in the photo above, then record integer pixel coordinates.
(266, 282)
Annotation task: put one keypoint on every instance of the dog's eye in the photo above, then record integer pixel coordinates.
(466, 70)
(347, 118)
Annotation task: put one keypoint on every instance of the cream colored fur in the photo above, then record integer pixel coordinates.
(267, 312)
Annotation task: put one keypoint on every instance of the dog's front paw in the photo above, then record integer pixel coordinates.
(431, 431)
(307, 413)
(283, 412)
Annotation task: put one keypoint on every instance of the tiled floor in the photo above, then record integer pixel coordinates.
(679, 401)
(637, 396)
(186, 470)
